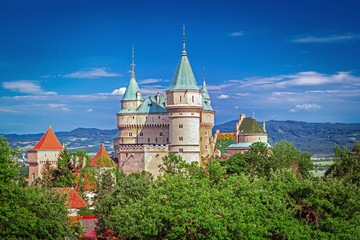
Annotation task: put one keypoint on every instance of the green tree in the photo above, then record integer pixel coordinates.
(29, 213)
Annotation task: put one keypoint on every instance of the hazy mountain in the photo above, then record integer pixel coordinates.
(317, 138)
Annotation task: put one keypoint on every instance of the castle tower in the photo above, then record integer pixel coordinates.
(132, 98)
(184, 105)
(207, 142)
(47, 149)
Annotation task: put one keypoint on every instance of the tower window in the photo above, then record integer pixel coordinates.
(141, 134)
(181, 150)
(148, 140)
(130, 134)
(181, 138)
(192, 98)
(181, 126)
(180, 98)
(167, 139)
(156, 140)
(33, 176)
(159, 117)
(200, 139)
(206, 133)
(161, 134)
(206, 146)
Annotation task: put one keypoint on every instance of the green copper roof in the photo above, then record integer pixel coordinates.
(250, 125)
(184, 78)
(150, 105)
(206, 105)
(244, 145)
(205, 91)
(131, 90)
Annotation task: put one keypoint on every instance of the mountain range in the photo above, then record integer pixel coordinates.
(316, 138)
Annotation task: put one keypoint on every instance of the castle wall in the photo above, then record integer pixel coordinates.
(206, 138)
(38, 158)
(252, 138)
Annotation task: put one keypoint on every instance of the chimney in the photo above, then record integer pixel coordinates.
(264, 126)
(138, 96)
(242, 116)
(158, 98)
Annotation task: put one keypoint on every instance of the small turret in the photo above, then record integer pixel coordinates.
(264, 126)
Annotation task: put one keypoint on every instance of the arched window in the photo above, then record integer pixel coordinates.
(180, 98)
(192, 98)
(148, 140)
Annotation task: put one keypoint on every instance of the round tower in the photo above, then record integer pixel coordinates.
(184, 105)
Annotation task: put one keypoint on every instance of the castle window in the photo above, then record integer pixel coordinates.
(181, 150)
(126, 154)
(130, 134)
(192, 114)
(45, 154)
(148, 140)
(141, 134)
(206, 146)
(200, 139)
(33, 176)
(180, 98)
(133, 117)
(206, 133)
(156, 140)
(181, 138)
(159, 117)
(161, 134)
(180, 113)
(181, 126)
(192, 98)
(167, 140)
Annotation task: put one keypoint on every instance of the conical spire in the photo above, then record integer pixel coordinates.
(133, 87)
(184, 77)
(49, 141)
(204, 90)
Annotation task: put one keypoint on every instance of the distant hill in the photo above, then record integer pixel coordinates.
(317, 138)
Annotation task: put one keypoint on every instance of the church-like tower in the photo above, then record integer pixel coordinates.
(184, 105)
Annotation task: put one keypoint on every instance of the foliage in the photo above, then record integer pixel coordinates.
(222, 144)
(24, 171)
(269, 195)
(261, 161)
(346, 164)
(29, 213)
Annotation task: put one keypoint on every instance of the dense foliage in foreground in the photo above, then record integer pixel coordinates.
(29, 212)
(257, 195)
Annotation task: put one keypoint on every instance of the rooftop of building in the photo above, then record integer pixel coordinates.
(48, 142)
(250, 125)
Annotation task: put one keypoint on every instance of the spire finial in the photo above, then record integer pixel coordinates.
(50, 122)
(183, 37)
(132, 62)
(102, 139)
(204, 73)
(253, 114)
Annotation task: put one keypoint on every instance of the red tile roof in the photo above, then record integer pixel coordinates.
(74, 200)
(49, 141)
(102, 158)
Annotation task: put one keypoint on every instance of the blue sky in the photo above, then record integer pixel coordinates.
(69, 61)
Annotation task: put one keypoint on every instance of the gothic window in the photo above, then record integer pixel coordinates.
(161, 134)
(181, 150)
(181, 126)
(130, 134)
(181, 138)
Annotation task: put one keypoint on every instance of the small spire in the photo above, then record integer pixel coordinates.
(184, 52)
(253, 114)
(204, 74)
(50, 122)
(132, 63)
(102, 139)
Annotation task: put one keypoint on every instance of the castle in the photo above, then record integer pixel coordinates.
(179, 121)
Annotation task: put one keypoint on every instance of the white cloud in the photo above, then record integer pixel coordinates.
(150, 80)
(89, 110)
(223, 96)
(6, 110)
(236, 34)
(236, 107)
(93, 73)
(119, 91)
(26, 86)
(60, 106)
(327, 39)
(306, 107)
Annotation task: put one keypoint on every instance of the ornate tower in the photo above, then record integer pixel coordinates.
(132, 98)
(46, 150)
(207, 142)
(184, 105)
